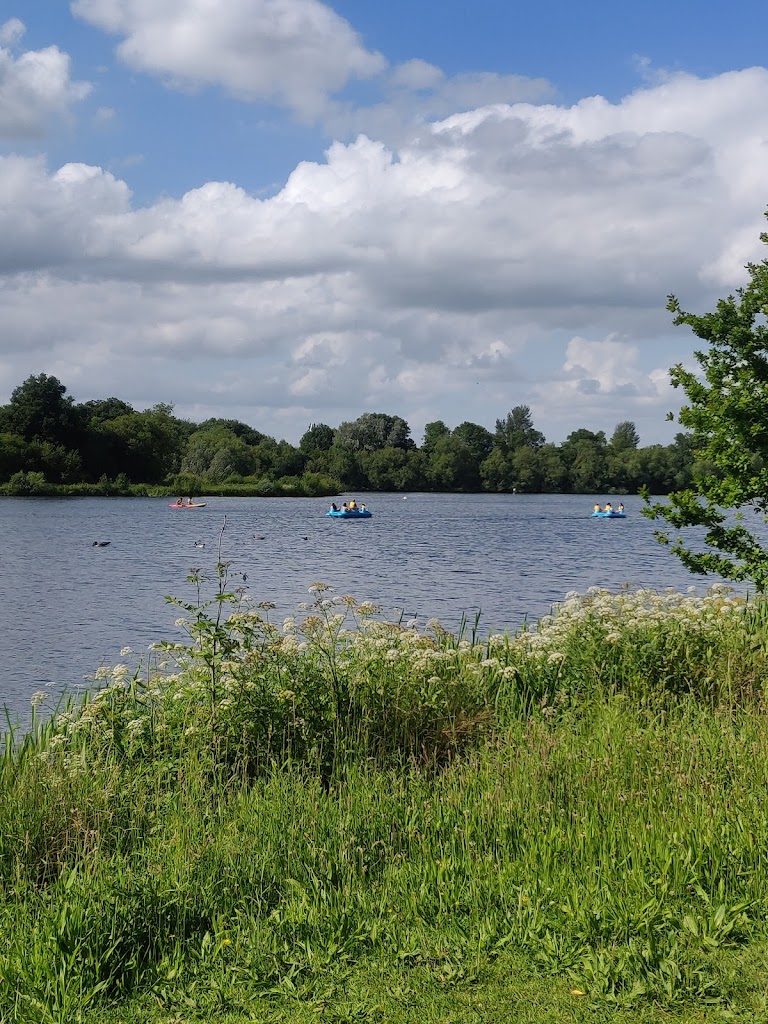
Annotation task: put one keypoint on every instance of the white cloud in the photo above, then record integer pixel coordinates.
(508, 254)
(34, 86)
(291, 52)
(416, 93)
(601, 383)
(11, 32)
(104, 115)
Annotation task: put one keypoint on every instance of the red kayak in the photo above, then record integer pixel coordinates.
(199, 504)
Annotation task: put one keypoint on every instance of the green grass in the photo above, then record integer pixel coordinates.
(344, 819)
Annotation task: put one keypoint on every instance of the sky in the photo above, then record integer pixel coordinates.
(290, 212)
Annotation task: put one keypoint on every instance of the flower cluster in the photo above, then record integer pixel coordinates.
(252, 690)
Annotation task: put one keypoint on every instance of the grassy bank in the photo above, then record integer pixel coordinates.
(337, 818)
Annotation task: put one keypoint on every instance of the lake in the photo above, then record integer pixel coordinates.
(69, 607)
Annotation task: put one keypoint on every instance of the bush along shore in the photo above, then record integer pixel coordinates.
(308, 485)
(339, 818)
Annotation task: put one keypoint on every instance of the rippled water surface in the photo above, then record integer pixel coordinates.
(69, 606)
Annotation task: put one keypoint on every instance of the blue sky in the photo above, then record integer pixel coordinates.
(289, 211)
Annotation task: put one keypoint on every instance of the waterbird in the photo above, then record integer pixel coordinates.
(101, 543)
(199, 543)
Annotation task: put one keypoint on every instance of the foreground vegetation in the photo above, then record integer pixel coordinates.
(338, 818)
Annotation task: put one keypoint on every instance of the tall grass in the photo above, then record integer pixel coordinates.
(267, 806)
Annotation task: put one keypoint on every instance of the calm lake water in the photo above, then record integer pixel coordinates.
(69, 607)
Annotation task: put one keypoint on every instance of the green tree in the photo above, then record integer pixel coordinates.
(317, 438)
(343, 463)
(583, 452)
(151, 443)
(432, 433)
(451, 466)
(236, 427)
(374, 430)
(552, 470)
(14, 455)
(727, 413)
(41, 410)
(393, 469)
(233, 458)
(681, 457)
(201, 449)
(624, 437)
(516, 430)
(99, 410)
(497, 473)
(479, 440)
(287, 460)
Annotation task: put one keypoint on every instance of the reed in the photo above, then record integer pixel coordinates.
(267, 811)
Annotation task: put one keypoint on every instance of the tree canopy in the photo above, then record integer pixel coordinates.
(727, 415)
(47, 440)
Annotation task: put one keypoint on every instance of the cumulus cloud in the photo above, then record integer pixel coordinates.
(505, 254)
(34, 86)
(602, 374)
(11, 31)
(416, 93)
(290, 52)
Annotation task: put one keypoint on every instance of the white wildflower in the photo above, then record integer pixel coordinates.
(318, 588)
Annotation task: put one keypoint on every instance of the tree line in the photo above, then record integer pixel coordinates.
(49, 443)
